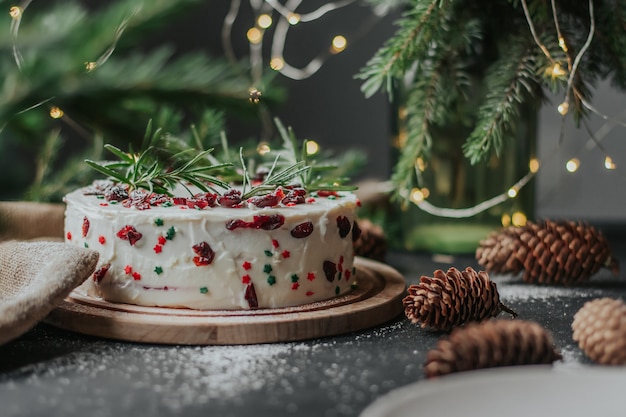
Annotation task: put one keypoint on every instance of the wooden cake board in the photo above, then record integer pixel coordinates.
(376, 299)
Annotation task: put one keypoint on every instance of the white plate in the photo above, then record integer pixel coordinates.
(524, 391)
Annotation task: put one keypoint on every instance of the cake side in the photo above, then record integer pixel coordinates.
(178, 253)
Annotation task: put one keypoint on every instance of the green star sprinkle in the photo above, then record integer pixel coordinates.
(86, 245)
(267, 268)
(171, 232)
(158, 270)
(271, 280)
(204, 290)
(158, 222)
(337, 290)
(295, 278)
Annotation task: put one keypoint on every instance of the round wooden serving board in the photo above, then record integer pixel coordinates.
(376, 299)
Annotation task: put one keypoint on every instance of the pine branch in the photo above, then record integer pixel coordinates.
(418, 27)
(510, 81)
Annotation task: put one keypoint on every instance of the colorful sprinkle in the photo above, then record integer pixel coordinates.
(171, 232)
(128, 269)
(136, 276)
(250, 296)
(247, 265)
(158, 221)
(271, 280)
(85, 226)
(309, 293)
(69, 235)
(157, 248)
(104, 204)
(161, 240)
(204, 290)
(286, 254)
(295, 286)
(246, 279)
(101, 272)
(268, 253)
(158, 270)
(267, 268)
(102, 240)
(337, 290)
(310, 276)
(347, 274)
(354, 286)
(295, 278)
(86, 245)
(275, 243)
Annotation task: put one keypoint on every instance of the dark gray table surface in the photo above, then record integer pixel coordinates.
(52, 372)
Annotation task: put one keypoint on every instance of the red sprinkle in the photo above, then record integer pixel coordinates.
(347, 274)
(101, 272)
(85, 226)
(247, 265)
(309, 293)
(286, 254)
(250, 296)
(295, 286)
(129, 233)
(104, 204)
(310, 200)
(158, 248)
(102, 240)
(69, 235)
(162, 240)
(128, 269)
(275, 243)
(246, 279)
(310, 276)
(136, 276)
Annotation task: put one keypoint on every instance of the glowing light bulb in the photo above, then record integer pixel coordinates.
(534, 165)
(255, 96)
(420, 164)
(312, 147)
(254, 35)
(557, 70)
(15, 12)
(518, 219)
(563, 108)
(263, 148)
(513, 191)
(572, 165)
(608, 163)
(562, 43)
(56, 113)
(90, 66)
(277, 63)
(505, 220)
(416, 195)
(264, 21)
(339, 44)
(293, 18)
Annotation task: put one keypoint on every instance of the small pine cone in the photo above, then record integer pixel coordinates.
(548, 252)
(372, 242)
(600, 330)
(491, 344)
(453, 298)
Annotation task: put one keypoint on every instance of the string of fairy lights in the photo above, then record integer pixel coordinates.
(273, 19)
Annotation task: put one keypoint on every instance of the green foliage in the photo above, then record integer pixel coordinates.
(476, 64)
(44, 64)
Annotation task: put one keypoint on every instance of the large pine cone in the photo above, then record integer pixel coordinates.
(491, 344)
(600, 330)
(371, 242)
(548, 252)
(453, 298)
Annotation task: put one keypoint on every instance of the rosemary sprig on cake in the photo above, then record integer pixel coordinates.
(166, 161)
(159, 170)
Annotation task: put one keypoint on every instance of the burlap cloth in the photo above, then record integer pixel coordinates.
(35, 276)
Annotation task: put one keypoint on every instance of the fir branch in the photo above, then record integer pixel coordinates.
(424, 22)
(510, 81)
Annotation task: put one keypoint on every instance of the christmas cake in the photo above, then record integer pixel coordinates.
(205, 250)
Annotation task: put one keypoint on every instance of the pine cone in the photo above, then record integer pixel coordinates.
(372, 242)
(547, 252)
(600, 330)
(491, 344)
(453, 298)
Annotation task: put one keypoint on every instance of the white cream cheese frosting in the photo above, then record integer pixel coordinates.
(177, 253)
